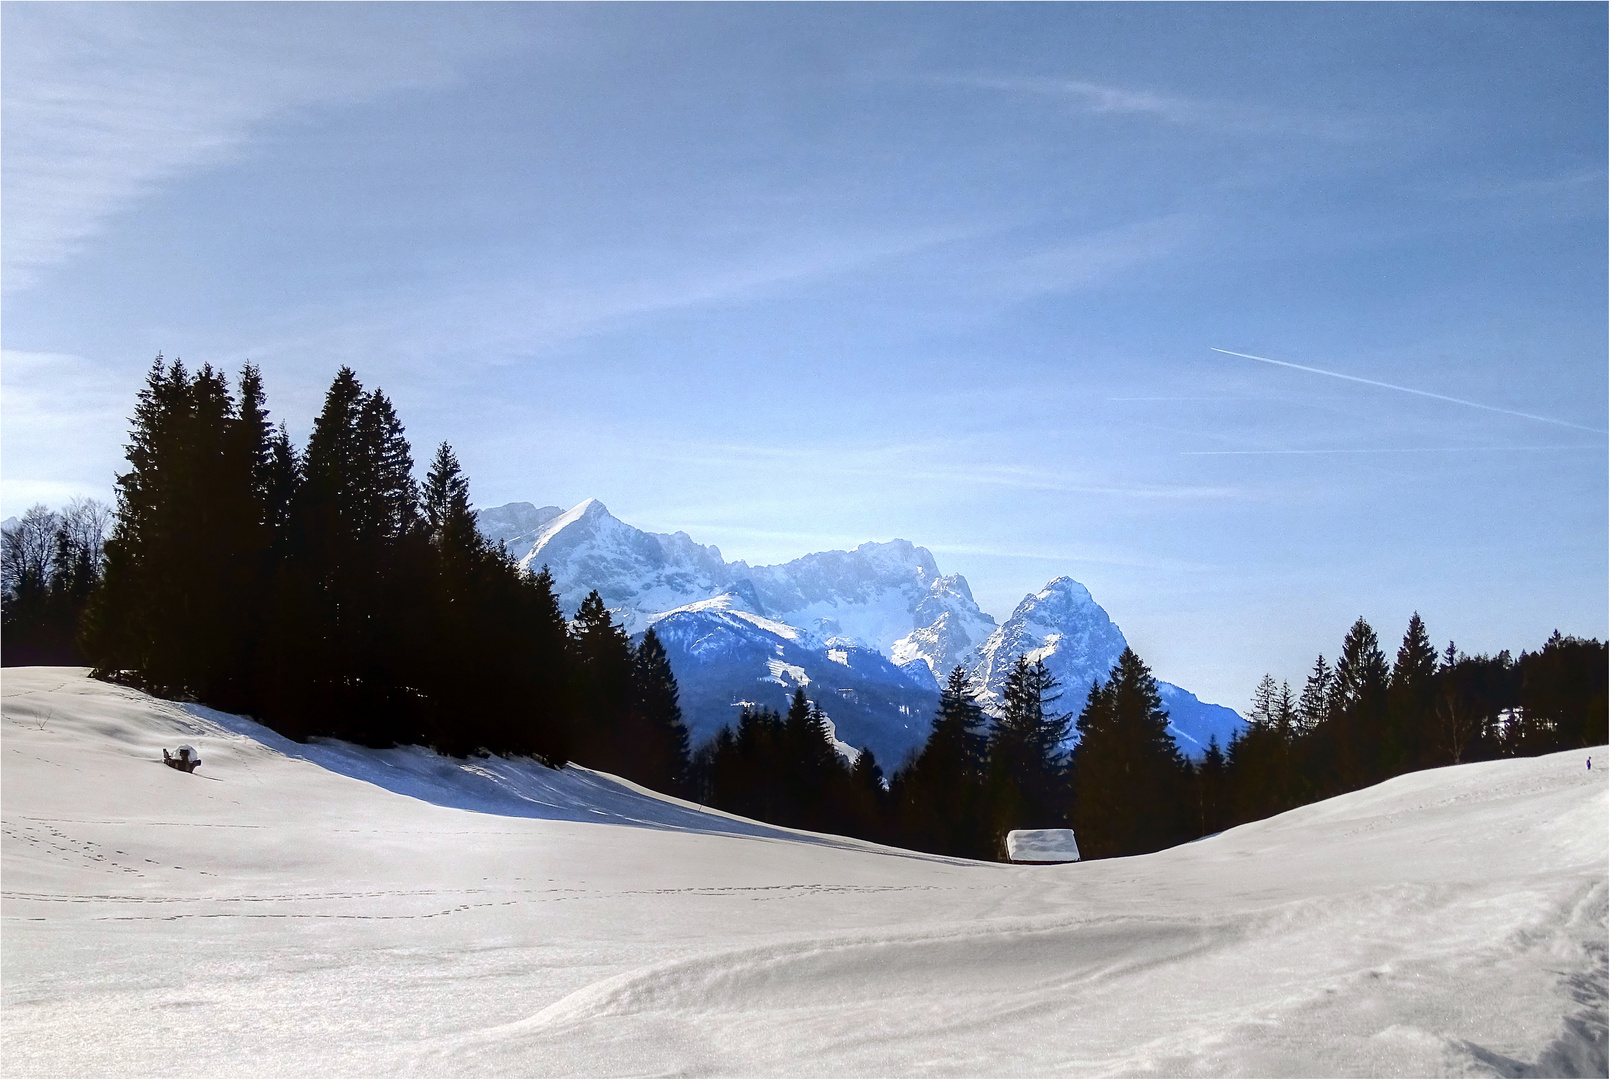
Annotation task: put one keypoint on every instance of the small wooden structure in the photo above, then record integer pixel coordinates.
(1041, 846)
(184, 759)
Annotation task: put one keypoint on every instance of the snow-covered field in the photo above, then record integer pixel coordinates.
(327, 910)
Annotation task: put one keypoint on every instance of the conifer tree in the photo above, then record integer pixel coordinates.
(1262, 712)
(1410, 694)
(1360, 705)
(282, 475)
(1314, 704)
(166, 608)
(1128, 772)
(445, 504)
(942, 803)
(867, 812)
(1028, 776)
(665, 736)
(1211, 785)
(605, 668)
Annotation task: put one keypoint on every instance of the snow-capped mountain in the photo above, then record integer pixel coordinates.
(637, 573)
(948, 628)
(726, 658)
(870, 633)
(516, 524)
(1061, 625)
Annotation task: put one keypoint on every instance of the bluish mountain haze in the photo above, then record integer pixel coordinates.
(869, 633)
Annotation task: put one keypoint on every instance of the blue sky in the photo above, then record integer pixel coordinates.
(793, 277)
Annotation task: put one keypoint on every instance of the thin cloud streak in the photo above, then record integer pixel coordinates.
(1391, 450)
(1411, 390)
(1103, 99)
(105, 104)
(981, 475)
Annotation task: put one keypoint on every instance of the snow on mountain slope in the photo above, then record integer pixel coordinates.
(889, 597)
(636, 573)
(514, 524)
(947, 626)
(727, 658)
(1194, 723)
(1061, 625)
(869, 595)
(295, 910)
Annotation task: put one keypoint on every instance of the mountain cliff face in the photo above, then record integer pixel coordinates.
(869, 633)
(516, 524)
(1061, 625)
(726, 658)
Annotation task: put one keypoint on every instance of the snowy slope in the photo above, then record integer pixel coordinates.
(515, 525)
(887, 597)
(726, 658)
(636, 573)
(1060, 625)
(324, 910)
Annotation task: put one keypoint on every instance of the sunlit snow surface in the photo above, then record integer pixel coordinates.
(324, 910)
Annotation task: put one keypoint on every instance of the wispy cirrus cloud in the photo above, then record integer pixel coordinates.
(1224, 117)
(1091, 258)
(105, 103)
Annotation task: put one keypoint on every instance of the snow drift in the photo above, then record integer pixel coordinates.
(324, 909)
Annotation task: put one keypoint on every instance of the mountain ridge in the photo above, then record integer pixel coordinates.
(869, 632)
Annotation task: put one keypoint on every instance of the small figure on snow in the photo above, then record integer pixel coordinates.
(184, 759)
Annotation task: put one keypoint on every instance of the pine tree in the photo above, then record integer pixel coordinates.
(665, 767)
(867, 811)
(1360, 705)
(1410, 709)
(1129, 774)
(1211, 783)
(942, 804)
(604, 667)
(445, 504)
(1314, 705)
(391, 498)
(1284, 713)
(166, 610)
(1028, 776)
(1261, 714)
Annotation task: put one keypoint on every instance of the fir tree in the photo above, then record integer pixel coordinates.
(665, 736)
(1411, 690)
(167, 607)
(942, 804)
(1313, 706)
(1129, 774)
(604, 667)
(1028, 776)
(1360, 706)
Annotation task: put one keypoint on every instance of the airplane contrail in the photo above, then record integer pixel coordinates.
(1391, 450)
(1411, 390)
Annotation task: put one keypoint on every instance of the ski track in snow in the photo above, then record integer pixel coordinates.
(323, 909)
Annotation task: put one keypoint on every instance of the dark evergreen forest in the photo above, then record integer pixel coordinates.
(1125, 788)
(326, 592)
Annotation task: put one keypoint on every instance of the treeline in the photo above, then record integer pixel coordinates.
(1362, 719)
(1124, 787)
(325, 591)
(50, 564)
